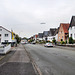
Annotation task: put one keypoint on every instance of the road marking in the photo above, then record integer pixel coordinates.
(1, 57)
(2, 64)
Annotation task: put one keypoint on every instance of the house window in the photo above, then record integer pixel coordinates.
(6, 35)
(59, 37)
(71, 35)
(59, 32)
(62, 37)
(6, 40)
(0, 35)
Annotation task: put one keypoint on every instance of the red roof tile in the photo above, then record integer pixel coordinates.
(65, 27)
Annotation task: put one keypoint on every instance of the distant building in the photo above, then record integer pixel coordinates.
(56, 34)
(72, 28)
(35, 37)
(63, 32)
(45, 35)
(40, 36)
(51, 34)
(6, 36)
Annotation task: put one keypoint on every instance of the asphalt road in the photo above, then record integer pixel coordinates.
(53, 61)
(16, 62)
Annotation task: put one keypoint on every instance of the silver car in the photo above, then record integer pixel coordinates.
(48, 45)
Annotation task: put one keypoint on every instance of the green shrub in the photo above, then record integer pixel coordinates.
(62, 42)
(71, 40)
(53, 41)
(61, 39)
(66, 41)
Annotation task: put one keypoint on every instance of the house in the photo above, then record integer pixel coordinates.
(56, 34)
(40, 36)
(63, 32)
(72, 28)
(51, 34)
(6, 36)
(45, 35)
(35, 37)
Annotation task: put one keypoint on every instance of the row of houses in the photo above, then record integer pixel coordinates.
(6, 36)
(63, 32)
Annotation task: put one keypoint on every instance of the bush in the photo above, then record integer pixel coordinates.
(66, 41)
(42, 42)
(53, 41)
(62, 42)
(71, 40)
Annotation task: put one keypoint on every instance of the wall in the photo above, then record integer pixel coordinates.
(72, 31)
(61, 34)
(50, 38)
(56, 37)
(3, 38)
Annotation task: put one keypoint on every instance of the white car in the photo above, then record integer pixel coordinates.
(48, 45)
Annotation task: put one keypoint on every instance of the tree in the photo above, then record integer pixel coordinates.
(18, 39)
(25, 38)
(54, 41)
(70, 40)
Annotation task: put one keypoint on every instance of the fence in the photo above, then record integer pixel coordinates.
(5, 49)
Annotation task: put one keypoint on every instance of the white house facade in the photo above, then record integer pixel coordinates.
(50, 38)
(72, 28)
(72, 32)
(5, 35)
(56, 37)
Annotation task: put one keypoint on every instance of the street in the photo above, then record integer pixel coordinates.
(16, 62)
(52, 61)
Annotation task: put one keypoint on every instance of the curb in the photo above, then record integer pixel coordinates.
(33, 63)
(64, 48)
(1, 57)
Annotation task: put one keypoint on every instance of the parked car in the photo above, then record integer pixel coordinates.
(48, 45)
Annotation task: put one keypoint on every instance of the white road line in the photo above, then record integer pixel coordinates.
(2, 64)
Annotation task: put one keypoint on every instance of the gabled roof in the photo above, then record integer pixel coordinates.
(5, 29)
(57, 30)
(65, 27)
(45, 33)
(72, 23)
(52, 31)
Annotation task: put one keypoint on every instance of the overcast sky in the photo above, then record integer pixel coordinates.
(25, 16)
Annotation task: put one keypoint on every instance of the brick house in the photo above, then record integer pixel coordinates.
(63, 32)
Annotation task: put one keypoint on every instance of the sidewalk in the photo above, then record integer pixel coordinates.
(63, 47)
(18, 64)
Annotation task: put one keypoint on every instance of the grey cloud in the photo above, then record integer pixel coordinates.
(25, 16)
